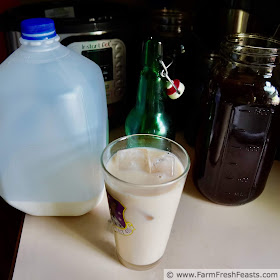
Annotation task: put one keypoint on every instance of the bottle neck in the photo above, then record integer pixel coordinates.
(151, 96)
(152, 54)
(151, 89)
(40, 45)
(151, 85)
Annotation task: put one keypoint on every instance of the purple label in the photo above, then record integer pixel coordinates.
(117, 215)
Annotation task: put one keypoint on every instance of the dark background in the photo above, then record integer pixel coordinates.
(208, 20)
(205, 24)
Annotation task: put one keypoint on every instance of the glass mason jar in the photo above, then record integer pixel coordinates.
(239, 127)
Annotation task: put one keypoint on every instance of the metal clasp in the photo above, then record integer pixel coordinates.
(164, 74)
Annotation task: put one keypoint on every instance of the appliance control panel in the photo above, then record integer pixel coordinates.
(110, 56)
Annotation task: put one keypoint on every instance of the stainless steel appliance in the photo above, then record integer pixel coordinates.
(98, 31)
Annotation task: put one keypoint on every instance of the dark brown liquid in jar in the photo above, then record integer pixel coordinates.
(240, 127)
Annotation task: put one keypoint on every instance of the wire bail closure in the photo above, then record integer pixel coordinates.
(164, 73)
(175, 88)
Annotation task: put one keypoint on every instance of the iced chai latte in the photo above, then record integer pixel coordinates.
(144, 176)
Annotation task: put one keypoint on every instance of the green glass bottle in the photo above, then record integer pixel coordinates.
(149, 114)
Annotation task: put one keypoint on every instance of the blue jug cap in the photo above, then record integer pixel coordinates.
(37, 29)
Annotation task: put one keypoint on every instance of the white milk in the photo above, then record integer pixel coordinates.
(57, 208)
(148, 218)
(52, 137)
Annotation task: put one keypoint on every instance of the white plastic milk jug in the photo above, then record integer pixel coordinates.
(53, 126)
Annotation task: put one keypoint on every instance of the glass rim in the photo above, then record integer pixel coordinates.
(140, 186)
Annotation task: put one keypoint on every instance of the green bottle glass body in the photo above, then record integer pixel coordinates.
(149, 114)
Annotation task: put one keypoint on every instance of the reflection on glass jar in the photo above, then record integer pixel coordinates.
(239, 128)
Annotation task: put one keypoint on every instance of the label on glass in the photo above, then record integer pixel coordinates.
(117, 215)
